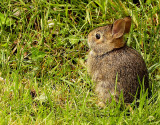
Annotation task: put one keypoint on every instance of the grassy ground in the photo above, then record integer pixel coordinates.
(43, 48)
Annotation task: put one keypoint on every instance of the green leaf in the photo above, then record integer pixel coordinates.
(73, 39)
(36, 54)
(4, 20)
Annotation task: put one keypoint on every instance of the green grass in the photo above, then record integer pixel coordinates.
(43, 48)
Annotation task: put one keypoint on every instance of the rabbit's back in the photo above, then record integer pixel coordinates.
(124, 64)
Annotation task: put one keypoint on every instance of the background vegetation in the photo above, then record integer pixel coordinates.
(43, 48)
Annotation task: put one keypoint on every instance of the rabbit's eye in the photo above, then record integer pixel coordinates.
(98, 36)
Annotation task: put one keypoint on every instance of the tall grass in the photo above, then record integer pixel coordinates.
(43, 48)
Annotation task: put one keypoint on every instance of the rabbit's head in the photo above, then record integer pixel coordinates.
(104, 39)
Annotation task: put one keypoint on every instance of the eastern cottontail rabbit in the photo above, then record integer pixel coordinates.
(113, 64)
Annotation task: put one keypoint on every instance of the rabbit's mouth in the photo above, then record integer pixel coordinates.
(98, 49)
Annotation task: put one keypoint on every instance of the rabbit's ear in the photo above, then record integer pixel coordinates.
(118, 28)
(128, 24)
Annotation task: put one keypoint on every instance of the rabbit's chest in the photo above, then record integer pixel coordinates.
(100, 68)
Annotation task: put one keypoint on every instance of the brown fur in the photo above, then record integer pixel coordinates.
(109, 58)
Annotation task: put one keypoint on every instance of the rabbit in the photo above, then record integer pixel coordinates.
(113, 65)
